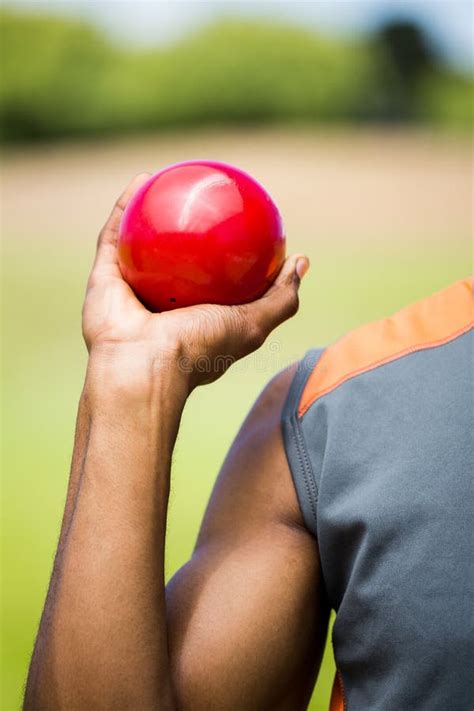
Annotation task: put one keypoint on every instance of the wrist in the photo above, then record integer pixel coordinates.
(132, 373)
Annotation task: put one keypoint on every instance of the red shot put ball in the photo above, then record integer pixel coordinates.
(200, 232)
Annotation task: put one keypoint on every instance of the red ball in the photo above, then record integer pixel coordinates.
(200, 232)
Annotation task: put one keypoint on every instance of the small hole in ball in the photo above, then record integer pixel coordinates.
(172, 299)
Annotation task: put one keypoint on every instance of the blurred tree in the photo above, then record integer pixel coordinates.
(51, 71)
(406, 60)
(61, 77)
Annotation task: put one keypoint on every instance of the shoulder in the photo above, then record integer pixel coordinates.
(338, 381)
(426, 324)
(267, 410)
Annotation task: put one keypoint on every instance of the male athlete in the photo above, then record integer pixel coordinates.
(348, 487)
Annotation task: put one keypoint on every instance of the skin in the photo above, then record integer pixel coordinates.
(243, 624)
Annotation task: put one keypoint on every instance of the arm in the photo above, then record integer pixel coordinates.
(103, 639)
(102, 642)
(247, 616)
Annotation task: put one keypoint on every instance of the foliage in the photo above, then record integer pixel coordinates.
(62, 77)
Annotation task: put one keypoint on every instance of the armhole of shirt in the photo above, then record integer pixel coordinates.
(295, 447)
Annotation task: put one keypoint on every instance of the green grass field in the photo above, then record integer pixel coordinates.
(385, 220)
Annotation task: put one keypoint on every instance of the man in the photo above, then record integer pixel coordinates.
(359, 502)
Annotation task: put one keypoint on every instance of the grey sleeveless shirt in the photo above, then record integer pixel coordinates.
(378, 430)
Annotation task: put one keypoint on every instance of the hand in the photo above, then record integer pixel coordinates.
(203, 340)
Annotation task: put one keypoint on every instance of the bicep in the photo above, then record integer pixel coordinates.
(246, 616)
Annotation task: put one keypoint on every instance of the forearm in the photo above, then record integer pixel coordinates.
(102, 641)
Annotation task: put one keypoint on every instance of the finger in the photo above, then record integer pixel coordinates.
(107, 242)
(281, 301)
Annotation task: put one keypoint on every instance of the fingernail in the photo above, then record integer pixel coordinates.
(302, 266)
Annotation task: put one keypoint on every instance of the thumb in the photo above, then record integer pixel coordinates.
(107, 242)
(281, 301)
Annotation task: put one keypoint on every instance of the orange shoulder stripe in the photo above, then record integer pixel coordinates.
(338, 700)
(426, 324)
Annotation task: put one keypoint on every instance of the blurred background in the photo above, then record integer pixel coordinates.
(356, 116)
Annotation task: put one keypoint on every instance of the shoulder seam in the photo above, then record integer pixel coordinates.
(425, 324)
(384, 361)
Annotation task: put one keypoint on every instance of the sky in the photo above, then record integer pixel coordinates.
(449, 23)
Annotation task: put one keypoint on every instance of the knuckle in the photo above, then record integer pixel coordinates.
(290, 279)
(286, 279)
(246, 327)
(256, 335)
(293, 302)
(121, 202)
(100, 238)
